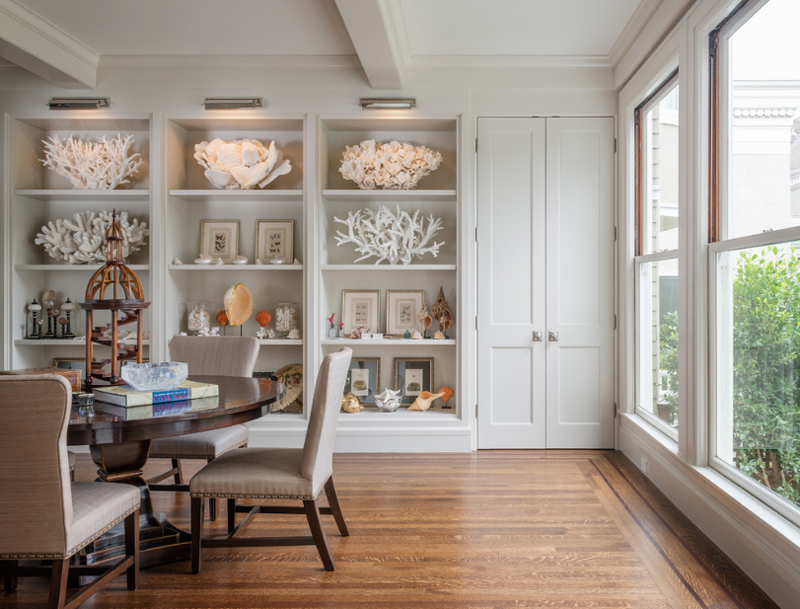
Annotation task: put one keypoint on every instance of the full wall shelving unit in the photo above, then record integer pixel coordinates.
(172, 195)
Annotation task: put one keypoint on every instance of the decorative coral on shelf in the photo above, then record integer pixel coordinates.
(100, 165)
(240, 164)
(396, 237)
(393, 166)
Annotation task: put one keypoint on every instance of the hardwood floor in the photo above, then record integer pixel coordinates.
(492, 529)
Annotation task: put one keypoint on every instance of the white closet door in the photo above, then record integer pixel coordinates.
(511, 277)
(580, 283)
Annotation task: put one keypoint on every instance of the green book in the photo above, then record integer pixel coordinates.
(127, 396)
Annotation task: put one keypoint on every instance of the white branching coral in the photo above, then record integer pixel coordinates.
(82, 239)
(392, 166)
(398, 237)
(240, 164)
(101, 165)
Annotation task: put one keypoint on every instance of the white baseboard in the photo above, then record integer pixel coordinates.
(763, 544)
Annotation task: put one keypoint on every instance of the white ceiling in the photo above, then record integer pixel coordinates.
(385, 35)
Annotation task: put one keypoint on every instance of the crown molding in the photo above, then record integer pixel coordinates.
(201, 62)
(509, 61)
(632, 29)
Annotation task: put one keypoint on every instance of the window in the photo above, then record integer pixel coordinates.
(656, 262)
(754, 231)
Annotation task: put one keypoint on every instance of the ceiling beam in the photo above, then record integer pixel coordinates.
(377, 31)
(38, 46)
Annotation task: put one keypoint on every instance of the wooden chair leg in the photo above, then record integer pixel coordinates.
(198, 506)
(132, 549)
(212, 506)
(314, 522)
(58, 584)
(72, 475)
(9, 581)
(333, 501)
(231, 515)
(176, 465)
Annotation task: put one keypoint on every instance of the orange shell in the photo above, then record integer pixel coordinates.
(263, 318)
(448, 393)
(222, 318)
(238, 304)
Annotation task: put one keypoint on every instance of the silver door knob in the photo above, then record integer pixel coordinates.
(552, 337)
(537, 336)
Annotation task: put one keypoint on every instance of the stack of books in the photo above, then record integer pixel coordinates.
(128, 397)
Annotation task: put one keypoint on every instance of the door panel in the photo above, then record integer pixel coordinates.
(511, 303)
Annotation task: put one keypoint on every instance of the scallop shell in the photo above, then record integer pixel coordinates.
(238, 304)
(447, 393)
(222, 318)
(263, 318)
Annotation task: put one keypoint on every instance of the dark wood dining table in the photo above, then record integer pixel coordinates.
(119, 441)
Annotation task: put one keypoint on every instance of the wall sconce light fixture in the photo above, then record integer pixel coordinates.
(393, 103)
(232, 103)
(78, 103)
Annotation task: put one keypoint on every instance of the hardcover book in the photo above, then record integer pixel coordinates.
(128, 397)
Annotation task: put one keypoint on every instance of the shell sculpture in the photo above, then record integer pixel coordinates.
(351, 404)
(238, 303)
(222, 318)
(393, 166)
(424, 318)
(441, 313)
(263, 318)
(357, 333)
(100, 165)
(447, 395)
(240, 164)
(424, 400)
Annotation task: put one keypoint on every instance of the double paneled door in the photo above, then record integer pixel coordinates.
(545, 283)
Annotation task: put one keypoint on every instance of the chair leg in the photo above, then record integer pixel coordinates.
(333, 501)
(198, 506)
(314, 522)
(58, 584)
(132, 549)
(72, 475)
(9, 581)
(176, 465)
(231, 515)
(212, 506)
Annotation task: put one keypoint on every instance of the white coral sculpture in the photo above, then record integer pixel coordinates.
(396, 237)
(82, 239)
(101, 165)
(240, 164)
(392, 166)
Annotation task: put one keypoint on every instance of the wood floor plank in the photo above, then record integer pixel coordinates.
(485, 530)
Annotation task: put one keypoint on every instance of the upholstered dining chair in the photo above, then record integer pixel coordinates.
(44, 516)
(279, 473)
(206, 355)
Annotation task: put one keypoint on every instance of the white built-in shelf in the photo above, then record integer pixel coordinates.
(64, 342)
(238, 195)
(53, 194)
(72, 267)
(388, 267)
(389, 195)
(277, 342)
(238, 267)
(394, 342)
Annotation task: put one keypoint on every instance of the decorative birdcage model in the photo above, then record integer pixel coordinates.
(117, 289)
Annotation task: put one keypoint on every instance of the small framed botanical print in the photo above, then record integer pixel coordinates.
(364, 378)
(402, 308)
(360, 308)
(219, 239)
(275, 240)
(413, 375)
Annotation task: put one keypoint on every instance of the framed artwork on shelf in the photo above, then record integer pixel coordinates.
(402, 308)
(361, 308)
(219, 239)
(275, 240)
(364, 378)
(413, 375)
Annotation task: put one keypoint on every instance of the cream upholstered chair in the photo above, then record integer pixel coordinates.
(44, 516)
(206, 355)
(279, 473)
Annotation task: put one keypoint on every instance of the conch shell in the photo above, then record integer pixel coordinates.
(441, 312)
(358, 332)
(222, 318)
(351, 404)
(263, 318)
(424, 400)
(424, 317)
(447, 395)
(238, 304)
(439, 335)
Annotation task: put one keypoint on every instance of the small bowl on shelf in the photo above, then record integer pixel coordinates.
(155, 376)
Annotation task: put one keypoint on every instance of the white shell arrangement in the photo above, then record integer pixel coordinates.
(388, 401)
(82, 239)
(393, 166)
(240, 164)
(100, 165)
(396, 237)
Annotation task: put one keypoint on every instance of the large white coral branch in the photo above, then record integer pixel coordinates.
(101, 165)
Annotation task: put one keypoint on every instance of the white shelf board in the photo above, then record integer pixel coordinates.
(390, 195)
(63, 342)
(72, 267)
(388, 267)
(66, 194)
(435, 414)
(239, 267)
(277, 342)
(237, 195)
(395, 342)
